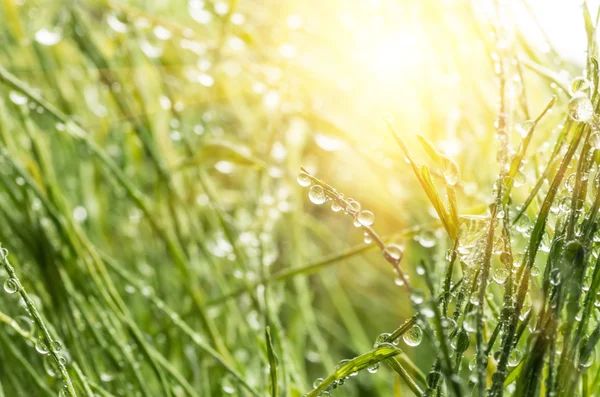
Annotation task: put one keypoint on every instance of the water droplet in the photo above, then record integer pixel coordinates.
(595, 140)
(335, 207)
(535, 271)
(48, 37)
(587, 362)
(392, 253)
(56, 346)
(353, 206)
(381, 338)
(227, 385)
(367, 238)
(50, 366)
(570, 182)
(11, 285)
(303, 179)
(580, 85)
(17, 98)
(473, 363)
(373, 368)
(470, 321)
(413, 336)
(501, 275)
(417, 296)
(525, 128)
(41, 347)
(317, 194)
(116, 23)
(366, 218)
(581, 108)
(328, 143)
(514, 358)
(555, 277)
(426, 238)
(317, 382)
(450, 172)
(519, 179)
(64, 392)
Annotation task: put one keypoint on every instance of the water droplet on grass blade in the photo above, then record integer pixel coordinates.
(595, 140)
(501, 275)
(554, 277)
(581, 108)
(353, 206)
(580, 85)
(41, 347)
(450, 172)
(317, 194)
(303, 179)
(366, 218)
(11, 285)
(392, 253)
(367, 238)
(413, 336)
(317, 382)
(373, 368)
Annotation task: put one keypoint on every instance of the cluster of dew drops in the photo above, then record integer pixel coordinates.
(392, 253)
(362, 218)
(11, 286)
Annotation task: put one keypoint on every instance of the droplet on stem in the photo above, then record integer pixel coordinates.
(317, 194)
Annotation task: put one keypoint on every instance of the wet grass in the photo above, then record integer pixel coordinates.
(177, 221)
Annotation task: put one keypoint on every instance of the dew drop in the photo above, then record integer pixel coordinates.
(501, 275)
(580, 85)
(317, 382)
(41, 347)
(17, 98)
(48, 37)
(392, 253)
(595, 140)
(366, 218)
(535, 271)
(353, 206)
(417, 296)
(514, 358)
(317, 194)
(381, 339)
(303, 179)
(426, 238)
(367, 238)
(581, 108)
(413, 336)
(519, 179)
(525, 128)
(335, 207)
(11, 285)
(555, 277)
(450, 172)
(399, 281)
(373, 368)
(227, 385)
(469, 323)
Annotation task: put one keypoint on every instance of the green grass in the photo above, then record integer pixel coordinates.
(185, 207)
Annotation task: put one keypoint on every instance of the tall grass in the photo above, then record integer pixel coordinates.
(176, 215)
